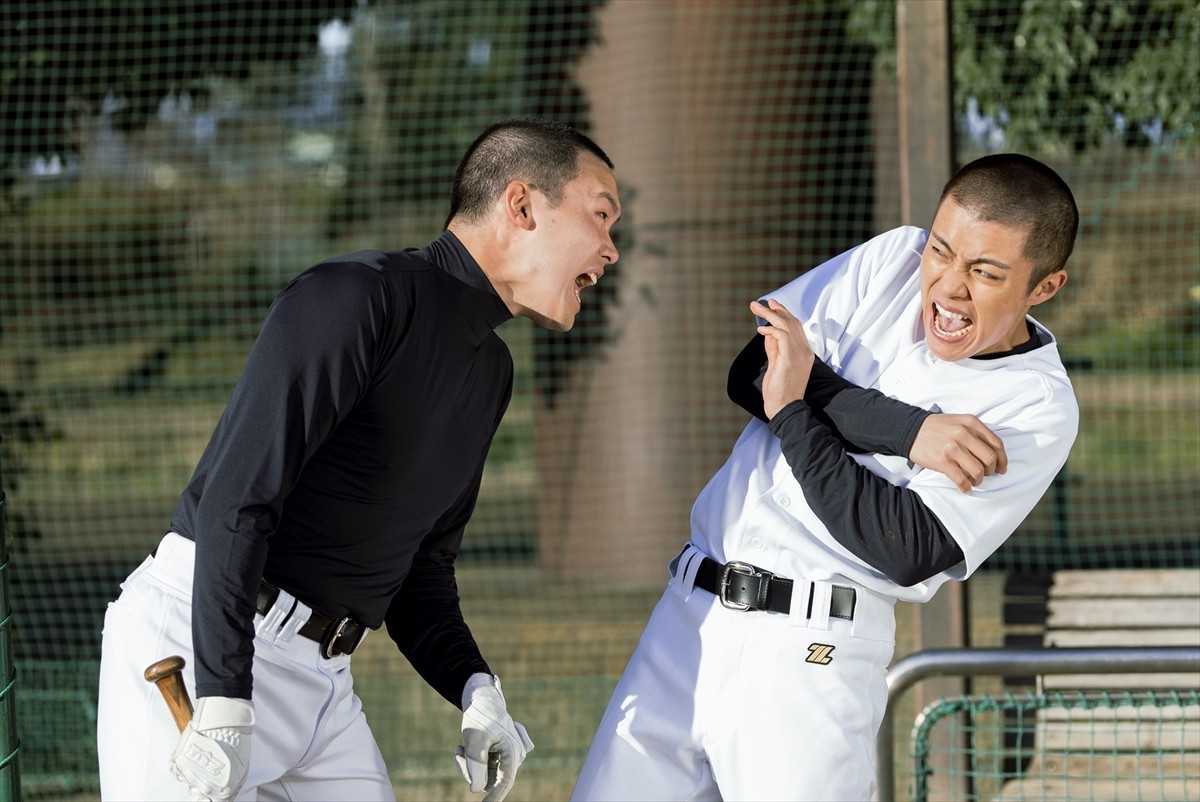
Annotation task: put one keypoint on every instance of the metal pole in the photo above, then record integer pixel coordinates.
(1014, 662)
(10, 744)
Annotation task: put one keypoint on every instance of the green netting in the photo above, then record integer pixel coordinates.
(1060, 746)
(167, 166)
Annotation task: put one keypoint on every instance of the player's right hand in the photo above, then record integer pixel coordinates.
(961, 447)
(213, 754)
(789, 356)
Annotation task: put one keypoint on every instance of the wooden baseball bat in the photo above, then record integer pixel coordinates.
(167, 674)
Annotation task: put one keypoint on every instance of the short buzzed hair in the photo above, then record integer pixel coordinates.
(1020, 192)
(543, 153)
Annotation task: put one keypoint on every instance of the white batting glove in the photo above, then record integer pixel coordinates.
(213, 754)
(494, 745)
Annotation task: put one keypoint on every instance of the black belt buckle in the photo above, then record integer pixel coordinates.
(741, 569)
(334, 633)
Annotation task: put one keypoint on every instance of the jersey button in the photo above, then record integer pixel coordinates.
(758, 543)
(783, 501)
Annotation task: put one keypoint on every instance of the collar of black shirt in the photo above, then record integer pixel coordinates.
(483, 305)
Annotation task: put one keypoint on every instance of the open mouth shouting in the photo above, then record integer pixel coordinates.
(950, 326)
(585, 280)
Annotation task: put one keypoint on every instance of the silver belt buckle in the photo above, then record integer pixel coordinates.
(334, 633)
(734, 567)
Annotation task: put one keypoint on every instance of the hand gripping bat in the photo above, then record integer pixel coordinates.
(167, 674)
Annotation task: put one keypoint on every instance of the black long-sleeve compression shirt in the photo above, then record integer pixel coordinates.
(349, 459)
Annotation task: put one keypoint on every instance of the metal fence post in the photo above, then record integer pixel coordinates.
(10, 744)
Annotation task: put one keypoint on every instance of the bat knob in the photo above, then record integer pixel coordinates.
(164, 668)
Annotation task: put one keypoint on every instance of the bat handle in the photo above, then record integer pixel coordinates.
(167, 674)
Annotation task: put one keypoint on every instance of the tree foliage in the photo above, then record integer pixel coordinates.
(63, 58)
(1072, 73)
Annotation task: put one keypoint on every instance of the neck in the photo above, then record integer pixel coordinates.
(493, 255)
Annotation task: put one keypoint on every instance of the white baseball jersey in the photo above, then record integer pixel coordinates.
(862, 312)
(716, 703)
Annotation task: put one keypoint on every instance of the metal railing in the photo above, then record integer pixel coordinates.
(10, 742)
(1013, 662)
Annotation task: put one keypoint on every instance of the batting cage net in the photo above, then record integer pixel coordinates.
(168, 166)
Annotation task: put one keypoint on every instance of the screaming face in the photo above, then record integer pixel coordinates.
(975, 285)
(574, 246)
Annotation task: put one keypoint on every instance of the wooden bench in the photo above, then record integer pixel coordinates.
(1116, 737)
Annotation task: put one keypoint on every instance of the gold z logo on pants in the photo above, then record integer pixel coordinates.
(820, 653)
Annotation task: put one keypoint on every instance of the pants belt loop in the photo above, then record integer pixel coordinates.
(273, 625)
(683, 570)
(801, 601)
(820, 605)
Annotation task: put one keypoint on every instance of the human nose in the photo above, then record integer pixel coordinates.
(608, 251)
(954, 280)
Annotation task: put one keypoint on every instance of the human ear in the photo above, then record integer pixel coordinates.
(518, 204)
(1048, 287)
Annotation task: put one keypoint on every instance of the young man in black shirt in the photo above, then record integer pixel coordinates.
(333, 495)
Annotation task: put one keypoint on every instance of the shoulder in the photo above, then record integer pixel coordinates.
(885, 269)
(899, 249)
(351, 292)
(892, 255)
(1034, 386)
(902, 237)
(362, 273)
(362, 265)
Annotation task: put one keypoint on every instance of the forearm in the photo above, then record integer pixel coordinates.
(873, 422)
(863, 420)
(886, 526)
(426, 622)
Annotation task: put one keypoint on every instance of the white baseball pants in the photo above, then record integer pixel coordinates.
(311, 740)
(717, 704)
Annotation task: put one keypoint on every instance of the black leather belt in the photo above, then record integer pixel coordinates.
(741, 586)
(335, 635)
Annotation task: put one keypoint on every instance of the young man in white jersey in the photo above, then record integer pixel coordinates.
(761, 672)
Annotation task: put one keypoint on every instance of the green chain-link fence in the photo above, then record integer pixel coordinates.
(1063, 746)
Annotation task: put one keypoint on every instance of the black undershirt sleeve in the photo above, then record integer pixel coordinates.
(886, 526)
(865, 421)
(425, 617)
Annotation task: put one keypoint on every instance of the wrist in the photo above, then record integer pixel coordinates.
(474, 684)
(788, 410)
(908, 437)
(218, 712)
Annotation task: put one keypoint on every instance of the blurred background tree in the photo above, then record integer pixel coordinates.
(1061, 73)
(51, 74)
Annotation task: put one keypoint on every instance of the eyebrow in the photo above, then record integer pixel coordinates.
(983, 260)
(608, 196)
